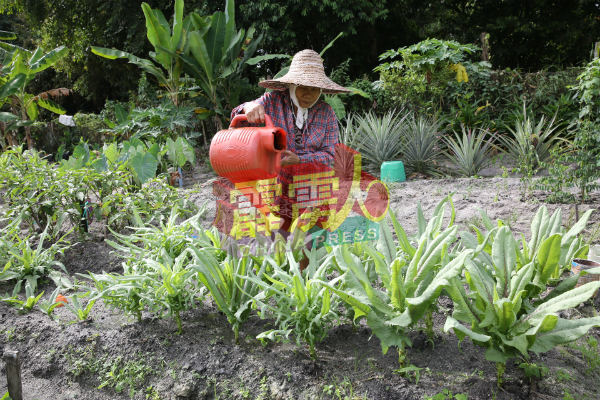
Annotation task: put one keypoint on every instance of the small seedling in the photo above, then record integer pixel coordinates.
(48, 306)
(564, 376)
(589, 351)
(23, 306)
(447, 395)
(533, 371)
(411, 368)
(567, 395)
(75, 306)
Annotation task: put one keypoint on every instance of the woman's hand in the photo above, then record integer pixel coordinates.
(254, 112)
(290, 158)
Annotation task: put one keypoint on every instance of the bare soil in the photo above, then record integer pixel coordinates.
(204, 363)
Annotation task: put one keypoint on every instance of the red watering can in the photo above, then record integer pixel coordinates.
(249, 153)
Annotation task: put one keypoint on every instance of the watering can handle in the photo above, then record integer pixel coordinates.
(243, 117)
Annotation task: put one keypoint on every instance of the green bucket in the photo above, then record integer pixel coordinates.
(393, 171)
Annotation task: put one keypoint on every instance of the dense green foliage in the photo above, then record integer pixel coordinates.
(515, 30)
(585, 149)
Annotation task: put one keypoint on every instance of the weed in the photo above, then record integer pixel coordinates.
(264, 389)
(446, 395)
(173, 371)
(504, 172)
(152, 394)
(289, 376)
(216, 339)
(118, 374)
(571, 219)
(357, 359)
(564, 376)
(245, 393)
(411, 368)
(589, 351)
(50, 354)
(9, 334)
(111, 372)
(512, 219)
(533, 371)
(567, 395)
(467, 192)
(593, 235)
(474, 220)
(371, 362)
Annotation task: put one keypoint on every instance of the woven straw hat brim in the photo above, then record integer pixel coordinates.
(328, 86)
(306, 70)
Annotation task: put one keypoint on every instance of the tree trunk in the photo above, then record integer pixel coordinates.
(485, 46)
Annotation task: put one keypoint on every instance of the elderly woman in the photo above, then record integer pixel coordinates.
(311, 125)
(294, 105)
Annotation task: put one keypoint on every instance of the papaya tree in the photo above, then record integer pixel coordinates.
(19, 62)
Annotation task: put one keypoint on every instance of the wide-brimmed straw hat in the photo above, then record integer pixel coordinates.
(306, 70)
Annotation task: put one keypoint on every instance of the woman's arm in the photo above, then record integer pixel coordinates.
(255, 110)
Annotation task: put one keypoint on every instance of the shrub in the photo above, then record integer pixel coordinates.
(419, 80)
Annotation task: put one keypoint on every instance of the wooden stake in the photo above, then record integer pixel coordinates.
(13, 374)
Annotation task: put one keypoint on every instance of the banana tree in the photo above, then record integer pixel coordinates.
(504, 308)
(166, 41)
(216, 62)
(21, 62)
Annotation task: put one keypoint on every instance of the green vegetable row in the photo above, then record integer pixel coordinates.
(507, 295)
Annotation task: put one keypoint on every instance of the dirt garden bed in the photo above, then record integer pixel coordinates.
(70, 361)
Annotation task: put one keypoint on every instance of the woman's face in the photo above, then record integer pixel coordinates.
(307, 95)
